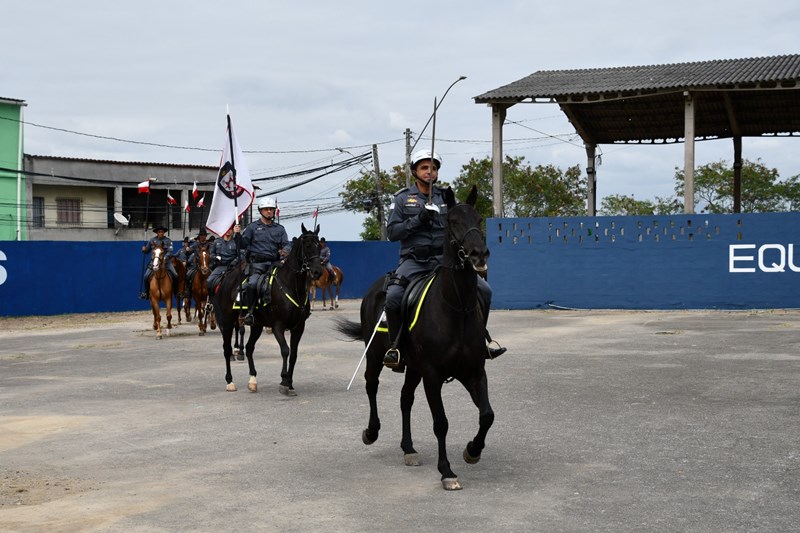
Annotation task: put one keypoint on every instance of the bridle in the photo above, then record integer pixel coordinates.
(304, 259)
(304, 268)
(458, 243)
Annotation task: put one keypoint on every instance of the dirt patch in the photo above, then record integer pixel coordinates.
(25, 488)
(77, 320)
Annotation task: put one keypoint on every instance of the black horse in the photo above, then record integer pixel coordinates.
(287, 310)
(446, 340)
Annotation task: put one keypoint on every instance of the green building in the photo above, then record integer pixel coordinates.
(13, 212)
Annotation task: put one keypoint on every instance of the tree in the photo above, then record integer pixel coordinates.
(527, 192)
(619, 204)
(762, 192)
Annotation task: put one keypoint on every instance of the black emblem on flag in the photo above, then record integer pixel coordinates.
(226, 181)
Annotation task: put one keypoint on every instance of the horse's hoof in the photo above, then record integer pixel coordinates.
(202, 333)
(252, 386)
(240, 356)
(158, 337)
(323, 309)
(469, 459)
(451, 483)
(412, 459)
(231, 387)
(365, 437)
(286, 391)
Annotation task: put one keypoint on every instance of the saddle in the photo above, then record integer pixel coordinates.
(414, 299)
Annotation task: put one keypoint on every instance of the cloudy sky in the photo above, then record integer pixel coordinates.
(304, 78)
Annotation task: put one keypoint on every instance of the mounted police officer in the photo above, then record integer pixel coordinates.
(265, 242)
(161, 239)
(225, 253)
(420, 228)
(191, 261)
(325, 258)
(183, 254)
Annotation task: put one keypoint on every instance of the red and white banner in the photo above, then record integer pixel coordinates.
(171, 200)
(195, 192)
(144, 187)
(186, 206)
(233, 191)
(202, 201)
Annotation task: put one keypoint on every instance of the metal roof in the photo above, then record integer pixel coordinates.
(645, 104)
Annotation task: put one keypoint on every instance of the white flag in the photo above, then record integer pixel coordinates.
(230, 201)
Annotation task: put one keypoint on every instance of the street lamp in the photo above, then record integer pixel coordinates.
(410, 149)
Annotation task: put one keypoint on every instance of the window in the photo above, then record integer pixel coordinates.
(38, 212)
(68, 211)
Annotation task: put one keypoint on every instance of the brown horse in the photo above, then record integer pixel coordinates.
(160, 288)
(200, 290)
(326, 282)
(182, 300)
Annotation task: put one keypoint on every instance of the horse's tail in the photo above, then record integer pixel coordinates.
(350, 328)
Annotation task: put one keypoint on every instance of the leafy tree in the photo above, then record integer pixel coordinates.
(545, 190)
(620, 204)
(762, 192)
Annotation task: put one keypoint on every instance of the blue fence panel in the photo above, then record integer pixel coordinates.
(745, 261)
(56, 277)
(663, 262)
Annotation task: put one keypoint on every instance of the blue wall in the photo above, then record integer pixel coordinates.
(56, 277)
(662, 262)
(665, 262)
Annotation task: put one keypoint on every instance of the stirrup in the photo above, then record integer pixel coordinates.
(392, 358)
(248, 318)
(492, 352)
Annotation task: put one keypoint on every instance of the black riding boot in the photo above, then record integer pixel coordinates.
(251, 296)
(392, 357)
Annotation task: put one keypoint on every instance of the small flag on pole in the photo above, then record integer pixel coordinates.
(195, 192)
(316, 212)
(202, 201)
(186, 206)
(170, 199)
(144, 187)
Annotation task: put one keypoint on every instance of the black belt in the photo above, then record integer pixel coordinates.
(424, 252)
(260, 259)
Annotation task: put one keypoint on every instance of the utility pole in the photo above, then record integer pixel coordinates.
(379, 188)
(408, 157)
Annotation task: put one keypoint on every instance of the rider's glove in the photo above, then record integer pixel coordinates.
(427, 214)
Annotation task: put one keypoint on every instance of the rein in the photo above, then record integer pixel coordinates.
(459, 243)
(463, 257)
(304, 267)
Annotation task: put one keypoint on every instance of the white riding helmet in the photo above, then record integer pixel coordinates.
(267, 201)
(425, 154)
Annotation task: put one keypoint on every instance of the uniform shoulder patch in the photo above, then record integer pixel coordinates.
(404, 189)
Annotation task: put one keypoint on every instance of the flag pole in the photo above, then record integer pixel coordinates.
(146, 214)
(235, 190)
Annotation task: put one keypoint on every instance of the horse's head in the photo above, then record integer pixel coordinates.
(204, 259)
(157, 260)
(464, 230)
(308, 244)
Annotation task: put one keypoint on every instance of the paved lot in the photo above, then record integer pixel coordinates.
(605, 421)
